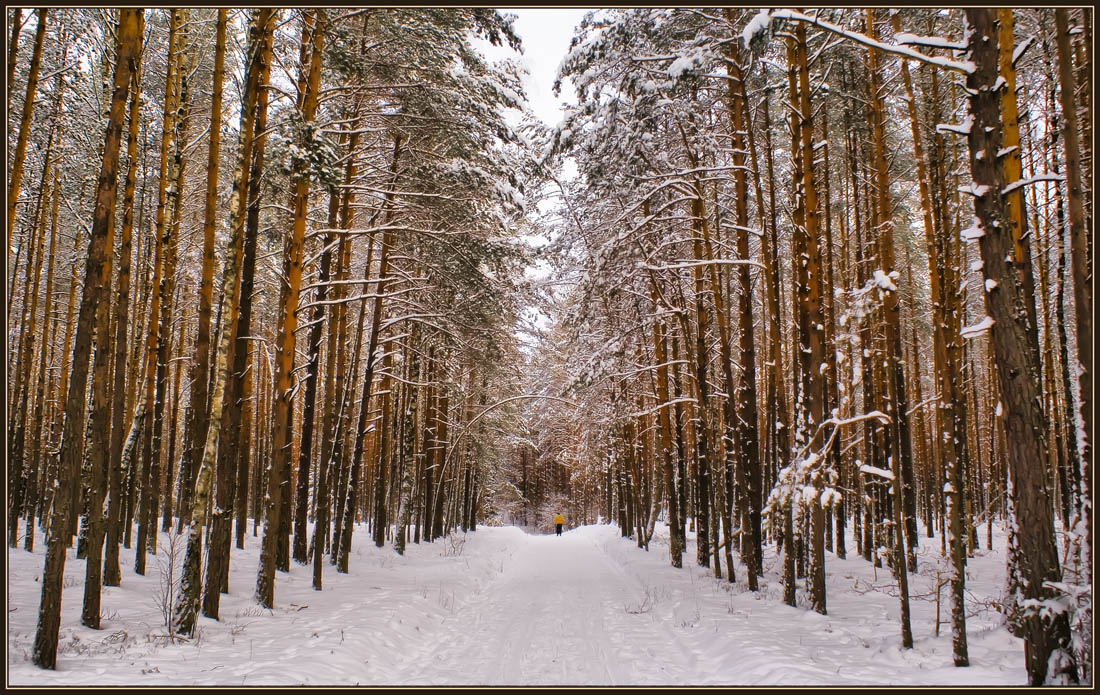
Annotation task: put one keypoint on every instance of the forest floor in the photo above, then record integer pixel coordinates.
(502, 607)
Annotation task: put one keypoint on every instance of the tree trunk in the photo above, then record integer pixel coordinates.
(169, 241)
(1081, 247)
(811, 402)
(111, 571)
(240, 406)
(905, 520)
(149, 477)
(1015, 345)
(25, 122)
(22, 471)
(39, 418)
(748, 447)
(313, 30)
(224, 482)
(351, 492)
(188, 597)
(13, 50)
(49, 618)
(198, 414)
(339, 204)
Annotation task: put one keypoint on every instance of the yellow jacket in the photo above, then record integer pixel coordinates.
(558, 519)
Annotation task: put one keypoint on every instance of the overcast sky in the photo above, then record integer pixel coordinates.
(545, 33)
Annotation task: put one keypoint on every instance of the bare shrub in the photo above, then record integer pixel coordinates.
(453, 544)
(170, 564)
(649, 599)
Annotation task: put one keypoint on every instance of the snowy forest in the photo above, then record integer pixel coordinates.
(789, 315)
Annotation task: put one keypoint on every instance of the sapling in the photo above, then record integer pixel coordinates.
(169, 564)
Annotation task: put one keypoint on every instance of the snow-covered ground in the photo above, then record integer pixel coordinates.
(501, 607)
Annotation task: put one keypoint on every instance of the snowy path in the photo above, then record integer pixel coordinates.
(558, 613)
(502, 607)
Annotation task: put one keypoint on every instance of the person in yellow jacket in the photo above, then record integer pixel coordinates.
(558, 521)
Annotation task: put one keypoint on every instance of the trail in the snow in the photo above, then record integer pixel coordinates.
(560, 612)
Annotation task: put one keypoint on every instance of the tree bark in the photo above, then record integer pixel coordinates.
(149, 477)
(905, 521)
(313, 31)
(49, 619)
(25, 122)
(111, 572)
(350, 494)
(188, 598)
(1015, 346)
(748, 446)
(1081, 264)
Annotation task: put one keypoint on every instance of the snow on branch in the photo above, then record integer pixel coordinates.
(659, 406)
(422, 318)
(1024, 45)
(974, 189)
(963, 66)
(647, 368)
(809, 466)
(756, 26)
(906, 39)
(880, 472)
(974, 231)
(959, 128)
(977, 329)
(1034, 179)
(685, 172)
(886, 282)
(692, 264)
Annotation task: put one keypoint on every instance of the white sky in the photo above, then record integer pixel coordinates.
(545, 33)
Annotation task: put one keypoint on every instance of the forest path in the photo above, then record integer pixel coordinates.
(561, 611)
(503, 607)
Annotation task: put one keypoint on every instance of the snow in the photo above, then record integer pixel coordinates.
(499, 606)
(681, 65)
(1023, 46)
(880, 472)
(1027, 182)
(830, 497)
(959, 128)
(905, 38)
(977, 329)
(884, 281)
(964, 66)
(756, 26)
(976, 190)
(1078, 418)
(812, 459)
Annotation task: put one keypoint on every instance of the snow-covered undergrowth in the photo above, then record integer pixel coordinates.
(501, 607)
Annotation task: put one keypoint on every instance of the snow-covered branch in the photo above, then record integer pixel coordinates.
(966, 67)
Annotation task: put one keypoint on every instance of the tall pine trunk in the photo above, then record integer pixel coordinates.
(901, 458)
(313, 32)
(350, 494)
(28, 114)
(1015, 345)
(188, 597)
(128, 40)
(149, 477)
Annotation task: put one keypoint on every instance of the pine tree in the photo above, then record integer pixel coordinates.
(128, 40)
